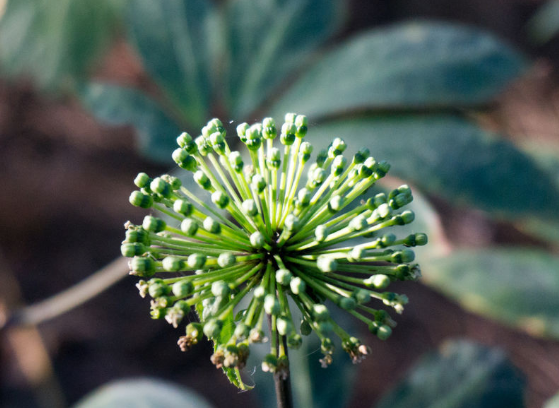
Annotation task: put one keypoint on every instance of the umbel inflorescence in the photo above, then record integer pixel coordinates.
(279, 227)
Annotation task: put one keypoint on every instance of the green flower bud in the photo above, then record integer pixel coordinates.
(172, 264)
(347, 303)
(415, 240)
(202, 180)
(382, 169)
(294, 341)
(153, 224)
(358, 223)
(226, 259)
(320, 313)
(271, 305)
(220, 199)
(361, 155)
(241, 131)
(336, 148)
(292, 223)
(269, 130)
(258, 183)
(218, 142)
(283, 277)
(236, 161)
(196, 261)
(326, 263)
(138, 199)
(305, 328)
(182, 289)
(321, 158)
(253, 138)
(338, 165)
(158, 289)
(132, 249)
(259, 292)
(284, 326)
(137, 235)
(403, 256)
(270, 363)
(405, 218)
(186, 162)
(182, 207)
(212, 328)
(195, 331)
(274, 158)
(335, 204)
(257, 240)
(297, 286)
(377, 281)
(142, 180)
(361, 296)
(161, 187)
(242, 331)
(212, 225)
(356, 254)
(288, 131)
(321, 233)
(189, 227)
(301, 122)
(142, 267)
(250, 208)
(202, 145)
(220, 289)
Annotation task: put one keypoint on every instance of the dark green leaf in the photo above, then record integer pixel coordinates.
(408, 66)
(117, 105)
(544, 24)
(452, 158)
(517, 287)
(267, 40)
(172, 38)
(54, 42)
(460, 375)
(547, 158)
(142, 392)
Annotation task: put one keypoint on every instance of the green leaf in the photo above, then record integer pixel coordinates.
(553, 402)
(142, 392)
(171, 37)
(460, 375)
(115, 105)
(267, 40)
(544, 24)
(55, 42)
(450, 157)
(517, 287)
(547, 158)
(422, 65)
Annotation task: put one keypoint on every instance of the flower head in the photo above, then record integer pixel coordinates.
(268, 236)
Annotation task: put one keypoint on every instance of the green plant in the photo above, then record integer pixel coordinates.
(414, 87)
(285, 242)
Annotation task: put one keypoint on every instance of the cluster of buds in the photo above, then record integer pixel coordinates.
(274, 231)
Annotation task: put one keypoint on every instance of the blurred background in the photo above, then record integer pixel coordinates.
(461, 97)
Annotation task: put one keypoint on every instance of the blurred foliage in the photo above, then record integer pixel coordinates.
(407, 92)
(544, 25)
(55, 43)
(460, 375)
(142, 392)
